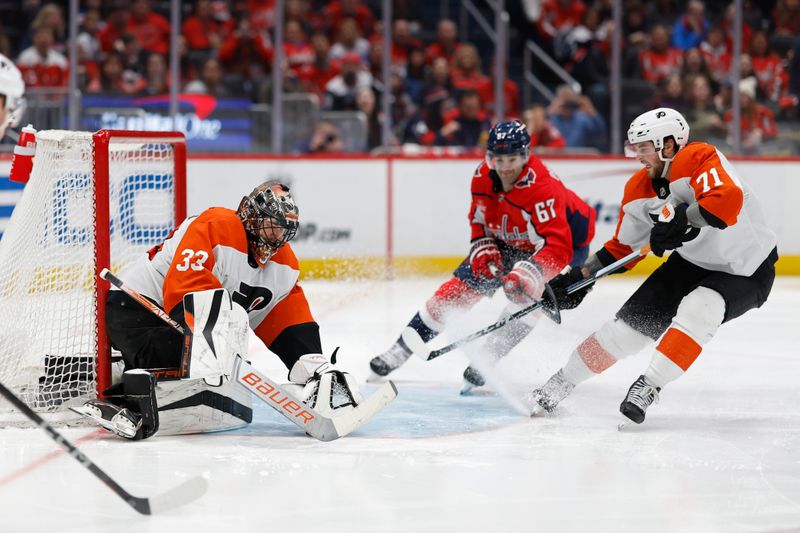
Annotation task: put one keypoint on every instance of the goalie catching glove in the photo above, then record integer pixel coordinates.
(321, 387)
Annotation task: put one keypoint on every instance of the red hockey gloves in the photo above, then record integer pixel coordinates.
(672, 229)
(524, 284)
(560, 283)
(484, 256)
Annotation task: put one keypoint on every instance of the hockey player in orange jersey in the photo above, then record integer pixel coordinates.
(218, 274)
(526, 227)
(687, 198)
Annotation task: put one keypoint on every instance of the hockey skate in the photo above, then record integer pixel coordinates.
(497, 347)
(550, 394)
(640, 396)
(390, 360)
(118, 420)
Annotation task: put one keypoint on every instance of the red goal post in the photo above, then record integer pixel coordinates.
(93, 201)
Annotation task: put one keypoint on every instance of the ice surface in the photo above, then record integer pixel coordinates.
(721, 452)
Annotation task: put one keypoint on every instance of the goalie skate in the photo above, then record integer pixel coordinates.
(118, 420)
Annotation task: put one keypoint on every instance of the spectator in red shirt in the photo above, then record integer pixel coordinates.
(262, 16)
(660, 59)
(40, 65)
(559, 15)
(150, 28)
(716, 54)
(786, 18)
(446, 41)
(403, 42)
(727, 25)
(297, 50)
(111, 34)
(202, 31)
(339, 10)
(757, 121)
(466, 72)
(768, 67)
(245, 53)
(317, 74)
(467, 125)
(510, 95)
(543, 133)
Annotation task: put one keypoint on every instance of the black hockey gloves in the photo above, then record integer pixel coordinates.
(672, 229)
(559, 285)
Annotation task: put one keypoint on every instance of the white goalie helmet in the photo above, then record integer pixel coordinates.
(13, 88)
(657, 125)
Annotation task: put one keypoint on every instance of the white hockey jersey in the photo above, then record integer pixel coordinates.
(210, 251)
(738, 239)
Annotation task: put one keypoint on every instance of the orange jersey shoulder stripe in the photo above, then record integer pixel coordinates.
(715, 185)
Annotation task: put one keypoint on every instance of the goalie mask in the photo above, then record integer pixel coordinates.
(11, 88)
(270, 219)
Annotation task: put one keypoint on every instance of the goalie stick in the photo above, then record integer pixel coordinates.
(184, 493)
(314, 423)
(418, 346)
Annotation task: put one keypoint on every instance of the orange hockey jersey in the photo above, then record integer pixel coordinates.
(210, 251)
(738, 238)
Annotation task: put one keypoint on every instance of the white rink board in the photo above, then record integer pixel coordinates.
(343, 202)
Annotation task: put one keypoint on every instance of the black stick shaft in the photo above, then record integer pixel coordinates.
(141, 505)
(538, 305)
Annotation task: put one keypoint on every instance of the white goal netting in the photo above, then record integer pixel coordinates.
(50, 337)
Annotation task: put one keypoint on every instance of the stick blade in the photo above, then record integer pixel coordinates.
(415, 343)
(187, 492)
(348, 421)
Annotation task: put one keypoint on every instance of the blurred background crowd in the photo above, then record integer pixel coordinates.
(440, 84)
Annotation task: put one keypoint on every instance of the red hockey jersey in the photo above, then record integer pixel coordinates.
(539, 215)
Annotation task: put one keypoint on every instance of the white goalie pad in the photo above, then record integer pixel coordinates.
(195, 406)
(217, 331)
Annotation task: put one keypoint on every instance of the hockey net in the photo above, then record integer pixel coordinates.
(93, 201)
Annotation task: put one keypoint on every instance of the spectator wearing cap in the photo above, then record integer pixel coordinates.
(40, 64)
(690, 29)
(349, 41)
(446, 42)
(340, 92)
(757, 122)
(151, 29)
(660, 59)
(467, 125)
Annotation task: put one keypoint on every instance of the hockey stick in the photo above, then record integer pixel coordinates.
(418, 346)
(184, 493)
(310, 420)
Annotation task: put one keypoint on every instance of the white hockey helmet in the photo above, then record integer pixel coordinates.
(13, 88)
(657, 125)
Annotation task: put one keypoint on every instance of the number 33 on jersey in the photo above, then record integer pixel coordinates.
(211, 251)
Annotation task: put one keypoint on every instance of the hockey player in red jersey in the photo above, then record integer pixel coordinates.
(526, 227)
(687, 198)
(218, 274)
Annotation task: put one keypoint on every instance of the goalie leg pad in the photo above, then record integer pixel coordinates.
(217, 331)
(198, 406)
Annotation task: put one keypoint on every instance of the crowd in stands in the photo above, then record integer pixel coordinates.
(442, 91)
